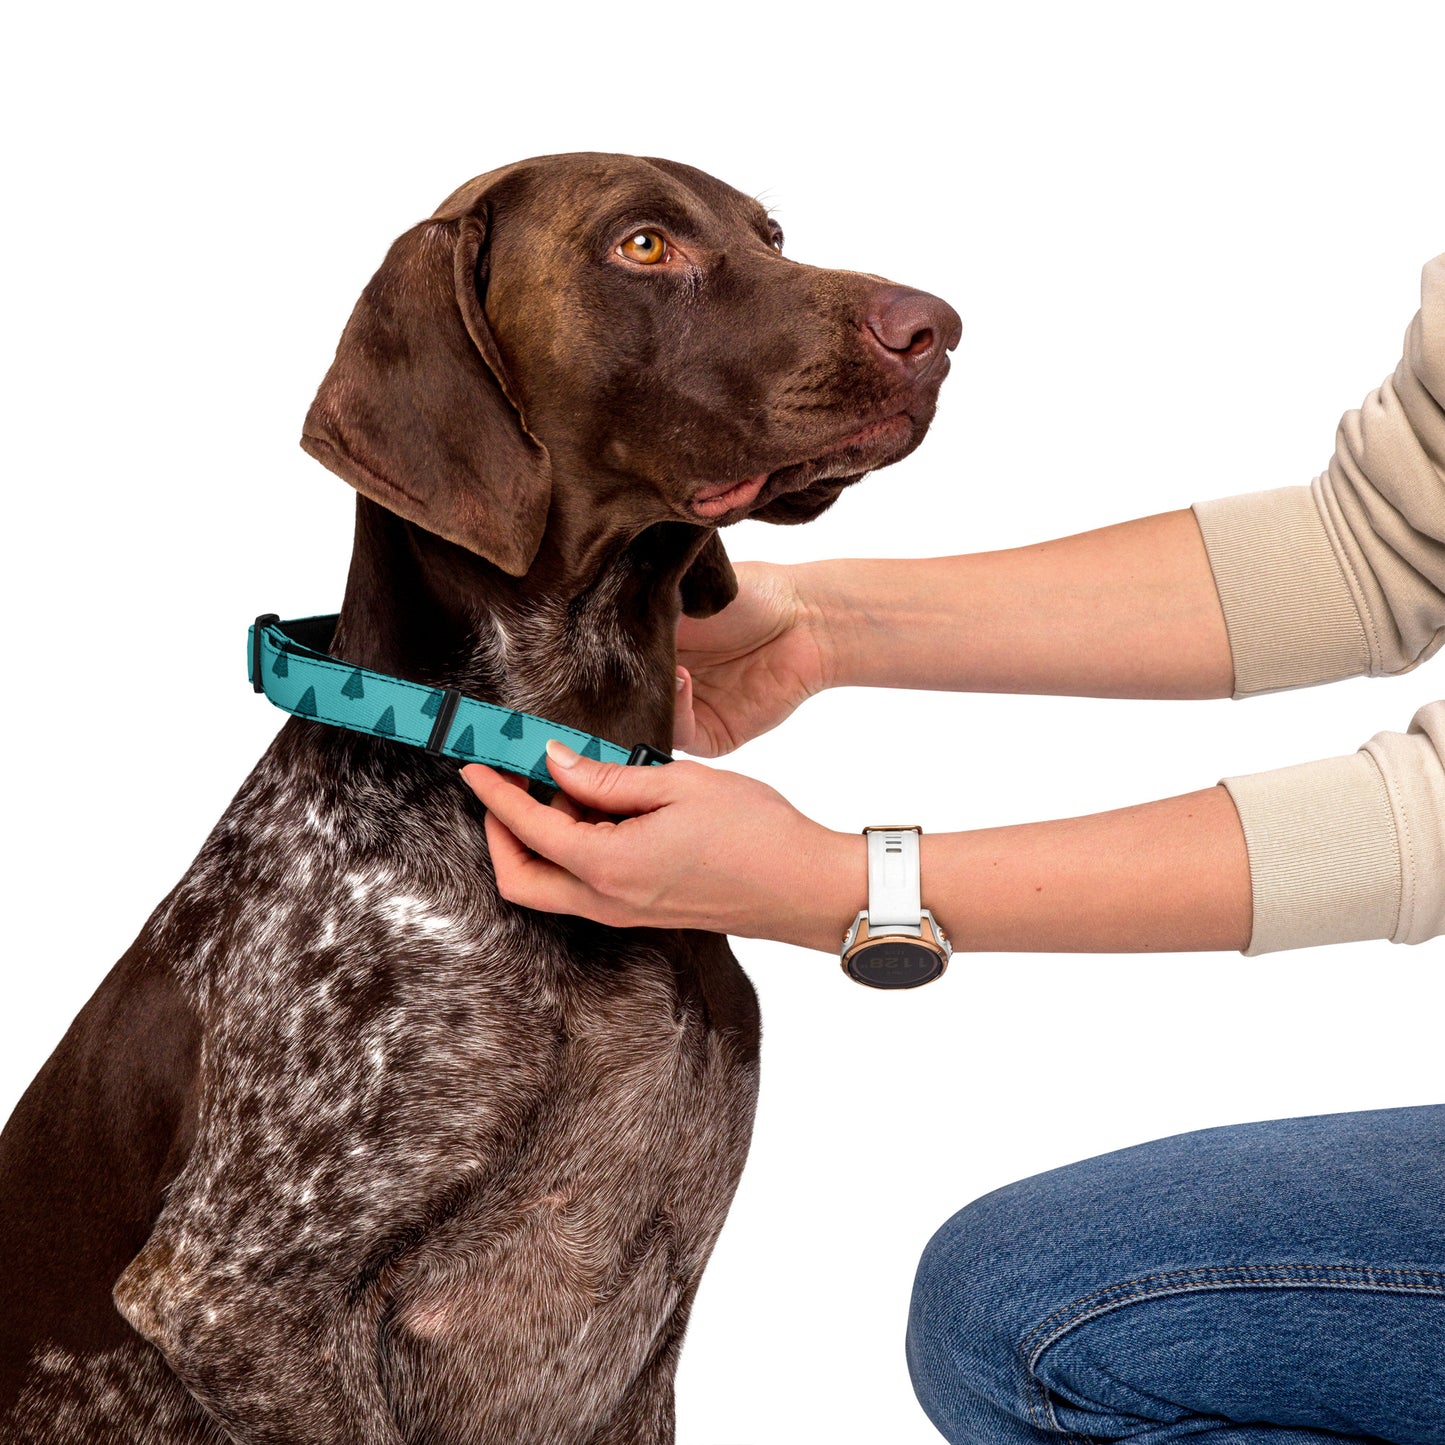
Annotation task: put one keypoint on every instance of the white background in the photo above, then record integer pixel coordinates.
(1183, 239)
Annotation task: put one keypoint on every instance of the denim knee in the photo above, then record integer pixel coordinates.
(970, 1307)
(1344, 1202)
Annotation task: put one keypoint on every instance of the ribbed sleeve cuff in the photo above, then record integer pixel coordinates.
(1291, 618)
(1324, 853)
(1413, 767)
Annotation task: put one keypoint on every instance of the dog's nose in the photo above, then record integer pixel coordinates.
(913, 326)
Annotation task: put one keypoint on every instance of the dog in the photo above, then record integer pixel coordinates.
(346, 1148)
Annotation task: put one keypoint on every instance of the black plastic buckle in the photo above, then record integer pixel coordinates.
(264, 620)
(644, 754)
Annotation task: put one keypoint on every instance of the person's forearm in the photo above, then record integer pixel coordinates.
(1125, 611)
(1164, 876)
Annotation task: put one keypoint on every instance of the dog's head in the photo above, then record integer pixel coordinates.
(586, 345)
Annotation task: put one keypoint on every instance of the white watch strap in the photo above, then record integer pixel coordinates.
(895, 896)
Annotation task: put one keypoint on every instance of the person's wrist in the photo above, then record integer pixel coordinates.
(821, 607)
(809, 892)
(824, 887)
(874, 620)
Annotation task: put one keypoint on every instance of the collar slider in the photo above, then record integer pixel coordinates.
(446, 711)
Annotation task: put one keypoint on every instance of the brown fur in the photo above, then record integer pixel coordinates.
(363, 1153)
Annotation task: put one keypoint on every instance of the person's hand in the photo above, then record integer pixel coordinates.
(704, 849)
(744, 670)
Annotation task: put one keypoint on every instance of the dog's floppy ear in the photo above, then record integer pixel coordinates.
(417, 412)
(709, 583)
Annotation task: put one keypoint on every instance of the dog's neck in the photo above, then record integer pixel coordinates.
(596, 653)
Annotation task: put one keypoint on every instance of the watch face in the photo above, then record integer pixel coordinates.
(894, 963)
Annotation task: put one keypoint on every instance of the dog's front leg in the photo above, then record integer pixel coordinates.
(326, 1146)
(274, 1359)
(647, 1413)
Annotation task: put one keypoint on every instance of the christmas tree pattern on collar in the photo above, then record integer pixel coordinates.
(288, 662)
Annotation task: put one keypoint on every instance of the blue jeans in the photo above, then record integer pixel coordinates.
(1266, 1284)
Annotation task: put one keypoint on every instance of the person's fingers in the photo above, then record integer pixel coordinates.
(684, 724)
(509, 854)
(572, 808)
(710, 738)
(531, 881)
(548, 831)
(609, 787)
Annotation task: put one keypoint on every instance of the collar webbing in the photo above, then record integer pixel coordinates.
(288, 662)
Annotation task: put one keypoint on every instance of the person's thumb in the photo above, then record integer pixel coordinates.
(684, 721)
(608, 787)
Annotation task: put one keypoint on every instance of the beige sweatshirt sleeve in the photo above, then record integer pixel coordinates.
(1344, 577)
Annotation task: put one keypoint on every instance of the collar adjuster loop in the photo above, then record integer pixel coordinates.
(446, 711)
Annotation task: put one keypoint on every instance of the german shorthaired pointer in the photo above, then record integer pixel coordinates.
(346, 1149)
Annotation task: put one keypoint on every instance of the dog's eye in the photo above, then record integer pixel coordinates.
(645, 247)
(775, 232)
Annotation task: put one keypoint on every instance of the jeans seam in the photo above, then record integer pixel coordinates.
(1206, 1278)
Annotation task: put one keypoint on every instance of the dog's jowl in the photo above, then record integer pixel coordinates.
(346, 1149)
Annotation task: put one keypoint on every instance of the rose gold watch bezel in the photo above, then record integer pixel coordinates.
(928, 937)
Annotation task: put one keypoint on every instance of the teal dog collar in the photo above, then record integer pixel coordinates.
(288, 662)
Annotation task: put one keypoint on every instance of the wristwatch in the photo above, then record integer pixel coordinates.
(895, 942)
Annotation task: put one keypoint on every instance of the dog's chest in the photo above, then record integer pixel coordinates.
(578, 1262)
(525, 1132)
